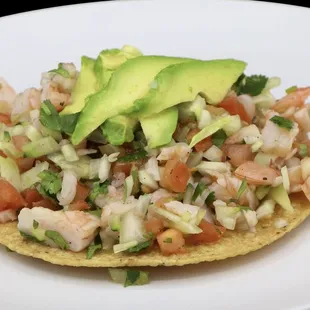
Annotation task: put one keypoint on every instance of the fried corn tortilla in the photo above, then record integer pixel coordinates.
(232, 244)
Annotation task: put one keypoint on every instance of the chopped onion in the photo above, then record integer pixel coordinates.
(305, 168)
(146, 179)
(280, 223)
(113, 157)
(94, 168)
(82, 152)
(213, 154)
(152, 168)
(265, 209)
(194, 159)
(248, 105)
(285, 177)
(206, 166)
(104, 168)
(68, 190)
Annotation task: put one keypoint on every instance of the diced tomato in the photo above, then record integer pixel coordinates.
(171, 241)
(78, 206)
(82, 191)
(24, 164)
(233, 107)
(5, 119)
(31, 195)
(125, 167)
(10, 198)
(210, 233)
(46, 203)
(19, 141)
(201, 146)
(175, 176)
(154, 226)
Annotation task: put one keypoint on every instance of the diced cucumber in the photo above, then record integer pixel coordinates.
(115, 222)
(280, 196)
(33, 133)
(69, 153)
(41, 147)
(10, 172)
(30, 177)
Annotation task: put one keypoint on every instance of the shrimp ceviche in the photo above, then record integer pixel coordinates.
(133, 153)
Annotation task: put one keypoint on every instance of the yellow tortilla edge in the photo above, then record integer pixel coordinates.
(232, 244)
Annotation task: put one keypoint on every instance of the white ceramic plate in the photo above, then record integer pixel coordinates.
(273, 39)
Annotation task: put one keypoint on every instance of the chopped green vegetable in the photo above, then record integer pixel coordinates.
(129, 277)
(280, 196)
(282, 122)
(168, 240)
(57, 238)
(51, 182)
(139, 247)
(136, 184)
(210, 199)
(291, 89)
(6, 136)
(218, 138)
(252, 85)
(262, 191)
(50, 118)
(94, 247)
(133, 157)
(30, 237)
(242, 189)
(61, 71)
(244, 208)
(303, 150)
(97, 212)
(38, 148)
(35, 224)
(98, 188)
(198, 190)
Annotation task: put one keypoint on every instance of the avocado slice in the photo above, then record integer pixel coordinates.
(109, 60)
(131, 81)
(182, 82)
(159, 128)
(85, 85)
(119, 129)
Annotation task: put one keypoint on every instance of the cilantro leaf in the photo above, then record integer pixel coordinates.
(198, 190)
(61, 71)
(50, 118)
(98, 188)
(218, 138)
(51, 182)
(282, 122)
(303, 150)
(132, 277)
(252, 85)
(91, 250)
(210, 198)
(35, 224)
(133, 157)
(139, 247)
(242, 189)
(57, 238)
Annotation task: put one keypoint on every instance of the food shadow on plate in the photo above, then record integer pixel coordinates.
(163, 273)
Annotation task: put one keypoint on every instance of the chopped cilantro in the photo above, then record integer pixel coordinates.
(61, 71)
(57, 238)
(6, 136)
(291, 89)
(198, 190)
(98, 188)
(210, 198)
(133, 156)
(35, 224)
(168, 240)
(241, 189)
(218, 138)
(139, 247)
(282, 122)
(50, 118)
(251, 85)
(129, 277)
(50, 183)
(303, 150)
(97, 212)
(95, 246)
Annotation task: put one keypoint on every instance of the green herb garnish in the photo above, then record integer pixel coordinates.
(50, 183)
(98, 188)
(35, 224)
(50, 118)
(133, 157)
(218, 138)
(198, 190)
(282, 122)
(242, 189)
(303, 150)
(6, 136)
(291, 89)
(139, 247)
(57, 238)
(210, 199)
(61, 71)
(252, 85)
(94, 247)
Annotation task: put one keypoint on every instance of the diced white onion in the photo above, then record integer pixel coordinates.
(104, 168)
(68, 190)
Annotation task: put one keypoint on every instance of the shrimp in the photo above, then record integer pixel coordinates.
(237, 154)
(24, 103)
(278, 141)
(78, 228)
(179, 150)
(58, 88)
(295, 99)
(256, 174)
(7, 96)
(7, 216)
(250, 132)
(302, 118)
